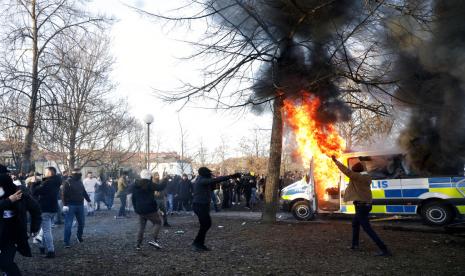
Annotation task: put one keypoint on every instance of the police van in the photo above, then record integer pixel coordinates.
(438, 199)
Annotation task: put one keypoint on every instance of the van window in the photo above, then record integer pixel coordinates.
(394, 167)
(384, 166)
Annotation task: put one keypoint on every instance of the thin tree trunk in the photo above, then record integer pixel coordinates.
(274, 164)
(31, 117)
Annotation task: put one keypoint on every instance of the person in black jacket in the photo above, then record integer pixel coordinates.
(47, 195)
(171, 190)
(15, 203)
(201, 204)
(145, 205)
(184, 193)
(74, 194)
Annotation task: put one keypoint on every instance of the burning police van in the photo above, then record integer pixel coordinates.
(438, 199)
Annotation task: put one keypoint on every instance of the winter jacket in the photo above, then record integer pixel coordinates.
(143, 198)
(203, 187)
(184, 189)
(172, 187)
(21, 208)
(122, 187)
(74, 192)
(47, 194)
(359, 188)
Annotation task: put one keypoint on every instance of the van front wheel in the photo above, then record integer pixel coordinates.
(301, 210)
(436, 213)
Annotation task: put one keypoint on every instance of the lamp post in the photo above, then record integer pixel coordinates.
(148, 119)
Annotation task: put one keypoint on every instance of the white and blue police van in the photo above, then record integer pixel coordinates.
(437, 199)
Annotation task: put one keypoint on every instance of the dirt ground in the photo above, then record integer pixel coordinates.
(243, 246)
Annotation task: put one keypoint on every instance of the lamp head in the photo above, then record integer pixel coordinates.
(148, 119)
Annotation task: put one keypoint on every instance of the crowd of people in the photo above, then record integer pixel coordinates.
(67, 198)
(41, 201)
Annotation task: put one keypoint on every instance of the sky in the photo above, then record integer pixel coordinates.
(147, 57)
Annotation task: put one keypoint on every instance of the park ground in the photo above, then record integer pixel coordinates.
(243, 246)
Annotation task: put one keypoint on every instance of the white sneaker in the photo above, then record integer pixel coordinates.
(155, 244)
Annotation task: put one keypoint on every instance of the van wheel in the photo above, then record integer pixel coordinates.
(302, 211)
(436, 213)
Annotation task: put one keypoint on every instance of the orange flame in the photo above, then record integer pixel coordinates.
(315, 140)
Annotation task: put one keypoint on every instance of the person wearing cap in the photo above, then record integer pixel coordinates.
(73, 197)
(145, 205)
(15, 204)
(203, 186)
(358, 191)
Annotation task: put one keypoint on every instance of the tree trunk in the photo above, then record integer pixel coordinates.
(31, 117)
(274, 164)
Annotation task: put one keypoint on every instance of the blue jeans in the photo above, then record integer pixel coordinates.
(253, 198)
(78, 212)
(47, 240)
(215, 200)
(170, 198)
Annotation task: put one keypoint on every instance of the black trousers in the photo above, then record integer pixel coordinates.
(203, 213)
(7, 257)
(362, 210)
(248, 196)
(122, 208)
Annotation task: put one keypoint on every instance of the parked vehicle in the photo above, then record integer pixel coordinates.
(437, 199)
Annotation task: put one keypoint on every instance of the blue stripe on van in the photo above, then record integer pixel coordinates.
(393, 193)
(440, 185)
(439, 180)
(457, 179)
(343, 209)
(394, 209)
(414, 192)
(410, 208)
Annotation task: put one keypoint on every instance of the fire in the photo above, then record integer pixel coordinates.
(315, 140)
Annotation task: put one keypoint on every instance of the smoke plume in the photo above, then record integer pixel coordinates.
(431, 74)
(298, 35)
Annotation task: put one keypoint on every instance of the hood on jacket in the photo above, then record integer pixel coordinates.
(143, 183)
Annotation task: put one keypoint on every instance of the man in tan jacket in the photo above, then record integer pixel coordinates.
(358, 191)
(122, 194)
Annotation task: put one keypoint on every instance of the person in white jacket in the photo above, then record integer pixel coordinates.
(89, 184)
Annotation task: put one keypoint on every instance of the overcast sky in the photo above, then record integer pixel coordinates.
(147, 57)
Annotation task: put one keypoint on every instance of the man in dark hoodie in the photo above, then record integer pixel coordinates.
(184, 193)
(145, 205)
(203, 186)
(47, 195)
(74, 194)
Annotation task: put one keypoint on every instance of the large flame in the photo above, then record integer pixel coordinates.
(315, 140)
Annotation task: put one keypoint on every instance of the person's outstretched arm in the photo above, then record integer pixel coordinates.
(343, 168)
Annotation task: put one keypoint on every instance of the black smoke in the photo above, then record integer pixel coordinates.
(298, 37)
(431, 75)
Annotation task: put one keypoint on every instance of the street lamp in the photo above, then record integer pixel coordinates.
(148, 119)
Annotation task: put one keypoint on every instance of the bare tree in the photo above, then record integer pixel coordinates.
(125, 145)
(183, 140)
(82, 121)
(272, 50)
(221, 153)
(202, 154)
(30, 28)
